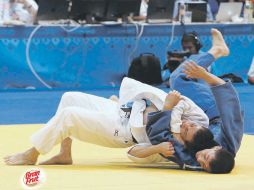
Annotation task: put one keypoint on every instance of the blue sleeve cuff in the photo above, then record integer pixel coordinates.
(226, 85)
(159, 114)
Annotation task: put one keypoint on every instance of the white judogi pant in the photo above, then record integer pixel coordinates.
(86, 117)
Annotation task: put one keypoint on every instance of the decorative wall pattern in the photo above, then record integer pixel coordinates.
(98, 56)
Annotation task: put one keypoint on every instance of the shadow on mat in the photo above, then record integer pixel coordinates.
(112, 166)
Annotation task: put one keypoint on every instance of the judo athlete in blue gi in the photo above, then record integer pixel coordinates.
(219, 101)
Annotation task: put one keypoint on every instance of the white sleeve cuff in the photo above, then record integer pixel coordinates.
(150, 159)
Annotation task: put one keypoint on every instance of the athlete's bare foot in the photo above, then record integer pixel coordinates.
(219, 47)
(26, 158)
(60, 159)
(64, 157)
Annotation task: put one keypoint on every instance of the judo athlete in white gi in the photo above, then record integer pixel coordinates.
(100, 121)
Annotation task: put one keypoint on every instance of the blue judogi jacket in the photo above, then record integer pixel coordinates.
(158, 130)
(227, 130)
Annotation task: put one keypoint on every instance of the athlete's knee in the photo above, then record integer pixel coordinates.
(68, 98)
(68, 95)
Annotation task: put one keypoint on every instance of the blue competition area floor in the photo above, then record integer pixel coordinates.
(31, 107)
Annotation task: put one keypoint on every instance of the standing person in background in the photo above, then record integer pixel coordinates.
(143, 11)
(24, 11)
(214, 5)
(4, 10)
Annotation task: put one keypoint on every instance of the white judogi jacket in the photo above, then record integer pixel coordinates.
(132, 90)
(251, 70)
(135, 91)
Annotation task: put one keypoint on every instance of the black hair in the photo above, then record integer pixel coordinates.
(223, 162)
(202, 139)
(146, 68)
(251, 80)
(193, 38)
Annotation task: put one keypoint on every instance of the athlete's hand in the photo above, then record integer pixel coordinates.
(114, 98)
(166, 149)
(192, 70)
(171, 100)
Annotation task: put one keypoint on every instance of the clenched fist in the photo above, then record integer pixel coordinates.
(171, 100)
(166, 149)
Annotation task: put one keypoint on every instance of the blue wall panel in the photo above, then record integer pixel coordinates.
(98, 56)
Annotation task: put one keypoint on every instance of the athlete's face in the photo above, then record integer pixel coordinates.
(188, 130)
(189, 46)
(204, 157)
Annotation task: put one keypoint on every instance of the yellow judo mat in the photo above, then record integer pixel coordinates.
(99, 168)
